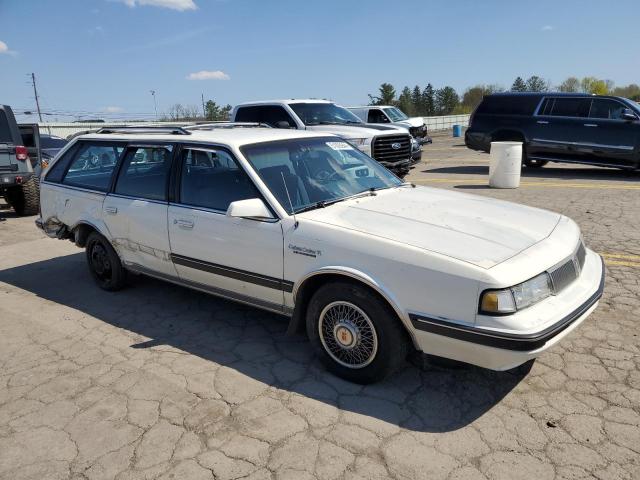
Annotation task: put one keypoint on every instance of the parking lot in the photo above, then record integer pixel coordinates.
(158, 381)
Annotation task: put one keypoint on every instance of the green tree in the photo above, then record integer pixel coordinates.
(386, 95)
(417, 101)
(570, 85)
(594, 85)
(428, 101)
(519, 85)
(405, 102)
(631, 91)
(446, 100)
(473, 96)
(214, 112)
(537, 84)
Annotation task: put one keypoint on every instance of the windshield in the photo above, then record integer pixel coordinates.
(323, 114)
(315, 172)
(395, 115)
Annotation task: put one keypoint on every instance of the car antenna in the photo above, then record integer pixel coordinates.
(293, 212)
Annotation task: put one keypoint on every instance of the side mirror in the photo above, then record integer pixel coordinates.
(627, 114)
(282, 124)
(253, 208)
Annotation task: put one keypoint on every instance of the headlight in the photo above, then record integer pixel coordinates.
(523, 295)
(358, 142)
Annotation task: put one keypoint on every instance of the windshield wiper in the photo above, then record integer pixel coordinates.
(313, 206)
(325, 203)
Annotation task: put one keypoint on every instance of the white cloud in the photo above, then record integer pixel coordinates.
(208, 75)
(180, 5)
(547, 28)
(4, 48)
(113, 109)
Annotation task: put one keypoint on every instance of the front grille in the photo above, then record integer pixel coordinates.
(418, 132)
(566, 273)
(384, 152)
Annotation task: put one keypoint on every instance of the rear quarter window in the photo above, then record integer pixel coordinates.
(56, 172)
(93, 165)
(508, 105)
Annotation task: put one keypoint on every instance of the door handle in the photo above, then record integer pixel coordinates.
(183, 223)
(542, 122)
(590, 125)
(111, 210)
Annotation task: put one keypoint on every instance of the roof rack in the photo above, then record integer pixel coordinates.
(149, 129)
(224, 124)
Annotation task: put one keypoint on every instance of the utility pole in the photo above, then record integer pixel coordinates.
(35, 93)
(155, 105)
(204, 112)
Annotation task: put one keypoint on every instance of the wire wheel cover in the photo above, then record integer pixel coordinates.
(347, 334)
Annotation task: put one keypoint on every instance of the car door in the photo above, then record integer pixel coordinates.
(557, 131)
(234, 257)
(135, 212)
(610, 139)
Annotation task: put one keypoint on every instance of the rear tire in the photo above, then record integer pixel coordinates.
(25, 199)
(356, 334)
(104, 263)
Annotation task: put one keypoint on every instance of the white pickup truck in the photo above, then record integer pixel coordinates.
(304, 224)
(390, 115)
(391, 146)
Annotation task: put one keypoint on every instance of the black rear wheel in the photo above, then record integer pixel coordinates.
(25, 198)
(533, 163)
(104, 263)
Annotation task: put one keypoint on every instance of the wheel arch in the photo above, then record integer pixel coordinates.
(304, 289)
(81, 231)
(508, 133)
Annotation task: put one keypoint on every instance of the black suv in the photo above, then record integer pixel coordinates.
(560, 127)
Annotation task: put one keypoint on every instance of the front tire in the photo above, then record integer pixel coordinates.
(104, 264)
(356, 334)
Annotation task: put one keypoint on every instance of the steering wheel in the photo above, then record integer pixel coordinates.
(325, 176)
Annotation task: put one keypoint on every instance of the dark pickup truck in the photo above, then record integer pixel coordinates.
(20, 163)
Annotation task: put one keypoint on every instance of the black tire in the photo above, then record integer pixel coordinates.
(391, 342)
(531, 163)
(25, 198)
(104, 264)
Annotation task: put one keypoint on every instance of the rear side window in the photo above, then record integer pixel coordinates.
(269, 114)
(212, 179)
(606, 108)
(93, 166)
(508, 105)
(5, 132)
(376, 116)
(145, 173)
(568, 107)
(56, 172)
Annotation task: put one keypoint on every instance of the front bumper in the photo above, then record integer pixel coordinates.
(497, 350)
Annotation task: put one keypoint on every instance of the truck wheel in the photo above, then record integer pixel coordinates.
(356, 334)
(104, 263)
(25, 199)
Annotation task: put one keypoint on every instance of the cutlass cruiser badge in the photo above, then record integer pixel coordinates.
(307, 252)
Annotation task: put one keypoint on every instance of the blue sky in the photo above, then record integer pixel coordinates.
(101, 57)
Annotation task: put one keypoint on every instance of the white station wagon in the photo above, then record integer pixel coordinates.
(304, 224)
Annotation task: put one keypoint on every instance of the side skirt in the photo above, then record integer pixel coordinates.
(218, 292)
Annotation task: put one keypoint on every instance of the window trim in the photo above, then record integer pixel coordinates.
(79, 144)
(131, 146)
(175, 199)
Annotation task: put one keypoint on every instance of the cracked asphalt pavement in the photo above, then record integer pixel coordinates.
(158, 381)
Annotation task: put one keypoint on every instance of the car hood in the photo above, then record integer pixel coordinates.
(474, 229)
(366, 130)
(412, 122)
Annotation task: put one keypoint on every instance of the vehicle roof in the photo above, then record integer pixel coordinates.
(229, 137)
(286, 101)
(543, 94)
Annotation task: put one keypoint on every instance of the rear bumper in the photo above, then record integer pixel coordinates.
(499, 350)
(13, 179)
(476, 141)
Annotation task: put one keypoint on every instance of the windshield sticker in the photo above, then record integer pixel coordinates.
(339, 145)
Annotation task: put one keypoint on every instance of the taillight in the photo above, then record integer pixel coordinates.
(22, 153)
